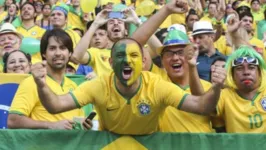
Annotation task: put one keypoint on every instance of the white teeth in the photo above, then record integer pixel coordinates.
(176, 65)
(127, 69)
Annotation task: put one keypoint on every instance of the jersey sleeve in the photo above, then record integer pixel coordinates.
(92, 54)
(25, 98)
(170, 94)
(87, 92)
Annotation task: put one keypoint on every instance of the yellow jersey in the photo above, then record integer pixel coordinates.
(135, 115)
(75, 21)
(173, 120)
(34, 32)
(240, 114)
(258, 16)
(26, 101)
(222, 47)
(99, 60)
(74, 36)
(178, 18)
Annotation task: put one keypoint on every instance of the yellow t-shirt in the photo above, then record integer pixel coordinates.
(75, 21)
(137, 115)
(259, 46)
(26, 101)
(34, 32)
(258, 16)
(74, 36)
(240, 114)
(3, 16)
(178, 18)
(173, 120)
(99, 60)
(222, 47)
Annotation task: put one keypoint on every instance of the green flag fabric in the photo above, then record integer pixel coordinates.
(96, 140)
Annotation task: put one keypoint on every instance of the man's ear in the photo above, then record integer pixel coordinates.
(144, 61)
(111, 62)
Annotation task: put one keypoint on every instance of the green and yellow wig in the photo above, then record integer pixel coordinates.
(243, 51)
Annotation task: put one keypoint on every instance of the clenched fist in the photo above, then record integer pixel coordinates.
(39, 73)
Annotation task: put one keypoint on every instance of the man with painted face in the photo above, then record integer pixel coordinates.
(128, 100)
(242, 105)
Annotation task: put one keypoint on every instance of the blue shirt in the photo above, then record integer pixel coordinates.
(204, 64)
(84, 70)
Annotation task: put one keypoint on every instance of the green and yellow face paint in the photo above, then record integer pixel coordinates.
(127, 62)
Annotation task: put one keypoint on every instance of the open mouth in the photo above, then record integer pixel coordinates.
(177, 67)
(7, 47)
(116, 30)
(127, 72)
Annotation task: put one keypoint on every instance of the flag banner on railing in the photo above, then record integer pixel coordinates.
(95, 140)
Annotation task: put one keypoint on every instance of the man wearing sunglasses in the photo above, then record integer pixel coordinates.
(242, 106)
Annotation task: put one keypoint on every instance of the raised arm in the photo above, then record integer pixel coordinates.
(206, 103)
(52, 102)
(237, 34)
(145, 31)
(191, 55)
(80, 54)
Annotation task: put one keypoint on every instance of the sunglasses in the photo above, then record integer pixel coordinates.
(241, 60)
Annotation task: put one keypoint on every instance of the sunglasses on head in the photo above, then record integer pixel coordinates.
(241, 60)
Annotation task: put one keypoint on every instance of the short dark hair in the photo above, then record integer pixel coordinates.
(103, 27)
(6, 56)
(46, 4)
(60, 36)
(212, 3)
(125, 39)
(27, 3)
(191, 12)
(246, 13)
(254, 1)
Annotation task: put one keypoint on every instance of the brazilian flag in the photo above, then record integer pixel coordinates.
(8, 86)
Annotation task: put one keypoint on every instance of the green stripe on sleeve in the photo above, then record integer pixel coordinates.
(88, 63)
(16, 112)
(75, 99)
(182, 101)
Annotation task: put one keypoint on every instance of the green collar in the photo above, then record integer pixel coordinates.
(62, 83)
(27, 29)
(128, 98)
(252, 100)
(183, 88)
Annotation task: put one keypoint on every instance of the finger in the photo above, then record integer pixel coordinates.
(86, 125)
(70, 121)
(44, 62)
(68, 126)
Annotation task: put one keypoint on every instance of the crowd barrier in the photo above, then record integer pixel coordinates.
(95, 140)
